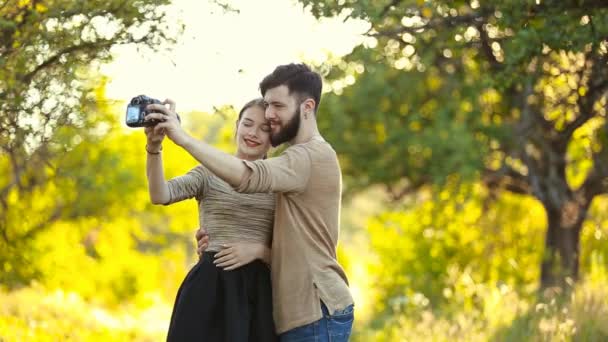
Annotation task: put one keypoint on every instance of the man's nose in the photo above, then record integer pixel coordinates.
(269, 114)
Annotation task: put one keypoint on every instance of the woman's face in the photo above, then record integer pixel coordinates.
(252, 134)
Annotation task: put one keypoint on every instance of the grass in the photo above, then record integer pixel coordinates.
(501, 314)
(34, 314)
(498, 313)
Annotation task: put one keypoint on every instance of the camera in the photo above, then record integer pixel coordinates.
(136, 111)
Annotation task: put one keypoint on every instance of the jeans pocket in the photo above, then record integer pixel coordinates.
(340, 325)
(344, 316)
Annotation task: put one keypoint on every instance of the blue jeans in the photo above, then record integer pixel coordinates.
(332, 328)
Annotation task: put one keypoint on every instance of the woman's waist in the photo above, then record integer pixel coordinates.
(217, 243)
(209, 258)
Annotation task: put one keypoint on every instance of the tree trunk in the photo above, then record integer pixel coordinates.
(560, 264)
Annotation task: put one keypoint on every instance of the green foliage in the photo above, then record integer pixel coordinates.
(506, 94)
(461, 266)
(388, 132)
(423, 250)
(55, 116)
(425, 114)
(436, 88)
(109, 268)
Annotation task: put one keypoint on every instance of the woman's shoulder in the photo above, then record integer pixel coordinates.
(222, 193)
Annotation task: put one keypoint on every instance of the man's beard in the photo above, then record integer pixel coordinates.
(288, 132)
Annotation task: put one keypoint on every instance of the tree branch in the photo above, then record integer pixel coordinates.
(596, 182)
(6, 189)
(42, 225)
(586, 112)
(443, 22)
(523, 128)
(407, 189)
(597, 85)
(97, 45)
(388, 7)
(486, 48)
(507, 178)
(53, 59)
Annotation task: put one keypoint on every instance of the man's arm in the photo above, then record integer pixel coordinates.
(233, 256)
(287, 173)
(225, 166)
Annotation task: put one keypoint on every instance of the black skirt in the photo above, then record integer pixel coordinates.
(217, 305)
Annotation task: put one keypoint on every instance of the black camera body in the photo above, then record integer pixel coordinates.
(136, 111)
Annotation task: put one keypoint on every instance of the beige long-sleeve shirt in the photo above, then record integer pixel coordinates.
(228, 216)
(304, 269)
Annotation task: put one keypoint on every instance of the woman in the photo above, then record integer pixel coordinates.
(226, 296)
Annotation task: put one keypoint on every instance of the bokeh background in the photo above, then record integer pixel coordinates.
(472, 136)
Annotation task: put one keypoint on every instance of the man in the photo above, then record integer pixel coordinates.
(311, 299)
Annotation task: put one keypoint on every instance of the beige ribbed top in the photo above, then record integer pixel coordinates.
(304, 268)
(227, 215)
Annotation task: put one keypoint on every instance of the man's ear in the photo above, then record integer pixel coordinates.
(308, 106)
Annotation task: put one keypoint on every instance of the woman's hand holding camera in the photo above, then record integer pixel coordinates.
(168, 125)
(154, 141)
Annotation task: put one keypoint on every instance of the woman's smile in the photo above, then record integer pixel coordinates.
(251, 143)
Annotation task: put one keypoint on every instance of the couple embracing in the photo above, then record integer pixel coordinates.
(268, 269)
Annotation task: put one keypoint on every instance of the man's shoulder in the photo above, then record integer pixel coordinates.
(314, 151)
(315, 145)
(320, 154)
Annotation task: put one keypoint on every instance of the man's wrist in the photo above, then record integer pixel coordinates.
(185, 142)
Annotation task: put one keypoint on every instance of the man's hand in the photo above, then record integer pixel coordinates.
(202, 241)
(169, 124)
(235, 255)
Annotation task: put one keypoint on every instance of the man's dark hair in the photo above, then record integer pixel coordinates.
(298, 78)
